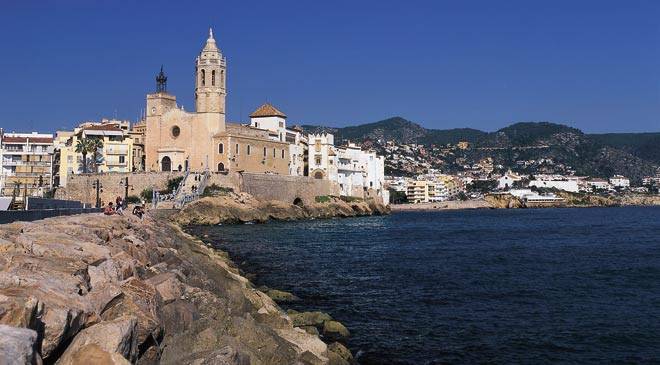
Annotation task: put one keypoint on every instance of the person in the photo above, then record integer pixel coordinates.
(138, 210)
(109, 210)
(120, 206)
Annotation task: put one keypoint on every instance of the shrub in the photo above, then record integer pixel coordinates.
(172, 184)
(133, 199)
(322, 199)
(214, 189)
(350, 199)
(147, 194)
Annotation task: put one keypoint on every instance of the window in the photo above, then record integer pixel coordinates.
(281, 124)
(264, 151)
(122, 159)
(282, 153)
(248, 149)
(213, 78)
(222, 77)
(221, 148)
(274, 153)
(237, 149)
(176, 131)
(317, 160)
(203, 77)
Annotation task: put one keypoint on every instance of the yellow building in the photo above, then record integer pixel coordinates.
(115, 154)
(26, 164)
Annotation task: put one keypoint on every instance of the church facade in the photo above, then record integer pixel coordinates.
(202, 140)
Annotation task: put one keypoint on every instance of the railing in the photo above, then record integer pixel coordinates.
(180, 202)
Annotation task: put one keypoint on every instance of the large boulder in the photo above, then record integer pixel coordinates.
(93, 354)
(167, 285)
(116, 336)
(315, 319)
(341, 350)
(280, 296)
(335, 331)
(18, 346)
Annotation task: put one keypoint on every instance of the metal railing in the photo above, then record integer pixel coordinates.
(181, 201)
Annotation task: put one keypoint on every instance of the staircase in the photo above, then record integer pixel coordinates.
(191, 188)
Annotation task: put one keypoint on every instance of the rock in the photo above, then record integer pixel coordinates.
(19, 311)
(60, 325)
(336, 359)
(309, 319)
(167, 285)
(341, 350)
(93, 354)
(18, 346)
(335, 331)
(141, 300)
(115, 336)
(311, 330)
(178, 316)
(105, 272)
(281, 296)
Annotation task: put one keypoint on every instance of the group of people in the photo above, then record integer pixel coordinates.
(120, 204)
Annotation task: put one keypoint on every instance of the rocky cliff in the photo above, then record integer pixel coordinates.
(237, 208)
(116, 290)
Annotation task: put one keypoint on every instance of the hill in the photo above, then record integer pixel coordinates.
(631, 154)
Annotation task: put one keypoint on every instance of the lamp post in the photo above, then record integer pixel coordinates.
(99, 187)
(124, 182)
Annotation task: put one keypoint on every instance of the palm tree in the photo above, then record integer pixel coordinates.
(95, 145)
(83, 146)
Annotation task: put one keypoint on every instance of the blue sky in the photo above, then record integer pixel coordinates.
(594, 65)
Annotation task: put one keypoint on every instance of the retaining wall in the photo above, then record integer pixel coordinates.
(8, 216)
(81, 186)
(286, 188)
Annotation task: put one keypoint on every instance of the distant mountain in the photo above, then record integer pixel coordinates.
(631, 154)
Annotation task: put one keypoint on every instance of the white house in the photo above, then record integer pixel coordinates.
(507, 180)
(619, 181)
(556, 181)
(599, 184)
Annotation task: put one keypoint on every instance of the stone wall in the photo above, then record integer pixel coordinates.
(81, 187)
(286, 188)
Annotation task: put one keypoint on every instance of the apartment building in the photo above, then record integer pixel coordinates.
(25, 164)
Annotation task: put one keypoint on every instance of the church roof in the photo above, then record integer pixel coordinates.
(210, 42)
(267, 110)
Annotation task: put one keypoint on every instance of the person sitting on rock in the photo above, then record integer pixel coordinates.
(109, 210)
(138, 211)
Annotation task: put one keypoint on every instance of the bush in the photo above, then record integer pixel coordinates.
(147, 194)
(322, 199)
(214, 189)
(172, 185)
(350, 199)
(133, 199)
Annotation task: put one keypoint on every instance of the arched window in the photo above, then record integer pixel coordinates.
(222, 77)
(213, 78)
(237, 149)
(282, 153)
(221, 167)
(203, 77)
(248, 149)
(221, 148)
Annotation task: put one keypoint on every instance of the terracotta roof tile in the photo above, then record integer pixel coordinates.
(103, 127)
(267, 110)
(24, 139)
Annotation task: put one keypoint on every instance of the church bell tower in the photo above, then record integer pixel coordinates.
(211, 77)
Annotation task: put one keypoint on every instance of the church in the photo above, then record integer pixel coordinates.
(202, 140)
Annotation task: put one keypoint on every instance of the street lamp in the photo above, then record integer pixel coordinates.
(124, 182)
(99, 189)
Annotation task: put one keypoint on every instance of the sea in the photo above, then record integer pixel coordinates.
(526, 286)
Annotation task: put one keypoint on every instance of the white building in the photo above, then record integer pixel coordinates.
(619, 181)
(271, 119)
(559, 182)
(598, 184)
(322, 158)
(507, 180)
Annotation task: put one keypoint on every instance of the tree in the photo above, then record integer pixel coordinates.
(83, 146)
(95, 145)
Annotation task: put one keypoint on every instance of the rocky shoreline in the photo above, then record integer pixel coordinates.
(117, 290)
(231, 208)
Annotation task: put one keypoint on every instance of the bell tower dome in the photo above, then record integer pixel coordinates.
(211, 77)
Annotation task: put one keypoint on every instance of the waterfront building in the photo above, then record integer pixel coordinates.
(113, 152)
(507, 180)
(360, 173)
(417, 191)
(269, 118)
(202, 140)
(322, 157)
(598, 184)
(25, 164)
(619, 181)
(559, 182)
